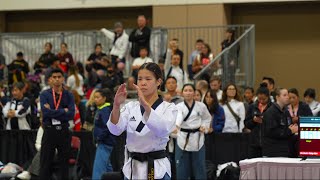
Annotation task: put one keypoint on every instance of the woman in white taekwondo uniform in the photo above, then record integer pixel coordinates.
(193, 121)
(148, 122)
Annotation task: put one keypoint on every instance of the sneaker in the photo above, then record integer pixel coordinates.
(25, 175)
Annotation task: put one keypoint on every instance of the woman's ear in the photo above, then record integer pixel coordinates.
(159, 82)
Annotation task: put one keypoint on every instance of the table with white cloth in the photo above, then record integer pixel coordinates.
(280, 168)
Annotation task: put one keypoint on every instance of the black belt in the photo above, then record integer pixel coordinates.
(189, 131)
(149, 157)
(57, 127)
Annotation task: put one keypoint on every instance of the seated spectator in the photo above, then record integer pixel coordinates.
(77, 119)
(276, 128)
(202, 85)
(309, 98)
(234, 110)
(120, 44)
(216, 111)
(176, 71)
(17, 109)
(140, 61)
(94, 60)
(296, 110)
(45, 59)
(254, 118)
(198, 95)
(171, 86)
(2, 66)
(215, 85)
(194, 54)
(271, 86)
(173, 49)
(65, 58)
(112, 79)
(18, 69)
(203, 59)
(75, 80)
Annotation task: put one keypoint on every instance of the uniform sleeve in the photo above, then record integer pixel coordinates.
(242, 115)
(6, 108)
(180, 117)
(167, 121)
(117, 129)
(316, 110)
(206, 117)
(25, 109)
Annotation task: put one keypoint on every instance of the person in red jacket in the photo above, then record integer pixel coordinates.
(65, 58)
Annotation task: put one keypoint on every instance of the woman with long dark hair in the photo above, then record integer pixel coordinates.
(217, 112)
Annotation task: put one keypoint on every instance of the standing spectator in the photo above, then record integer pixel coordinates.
(176, 71)
(140, 37)
(120, 44)
(296, 110)
(202, 60)
(2, 66)
(203, 86)
(248, 97)
(217, 112)
(18, 69)
(65, 58)
(234, 110)
(194, 54)
(75, 80)
(229, 60)
(193, 121)
(45, 59)
(276, 127)
(309, 97)
(95, 59)
(254, 118)
(140, 61)
(271, 86)
(57, 106)
(215, 85)
(102, 135)
(173, 49)
(17, 108)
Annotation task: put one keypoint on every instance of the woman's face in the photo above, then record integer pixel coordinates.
(17, 93)
(294, 99)
(205, 50)
(308, 99)
(98, 99)
(208, 99)
(98, 50)
(197, 96)
(147, 82)
(63, 48)
(263, 99)
(231, 91)
(188, 93)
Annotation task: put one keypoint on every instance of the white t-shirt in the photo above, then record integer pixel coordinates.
(71, 82)
(140, 61)
(230, 125)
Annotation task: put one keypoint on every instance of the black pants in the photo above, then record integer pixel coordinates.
(255, 151)
(55, 138)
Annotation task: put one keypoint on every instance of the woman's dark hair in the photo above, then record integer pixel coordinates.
(191, 85)
(98, 44)
(197, 90)
(65, 44)
(310, 92)
(154, 68)
(18, 85)
(294, 91)
(107, 93)
(208, 47)
(224, 98)
(232, 31)
(263, 89)
(48, 43)
(213, 107)
(250, 88)
(269, 79)
(171, 77)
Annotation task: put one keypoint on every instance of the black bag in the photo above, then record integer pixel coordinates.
(229, 173)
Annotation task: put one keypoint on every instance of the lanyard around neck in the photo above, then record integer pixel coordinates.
(56, 105)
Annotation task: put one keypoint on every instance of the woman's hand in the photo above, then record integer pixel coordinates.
(142, 100)
(120, 96)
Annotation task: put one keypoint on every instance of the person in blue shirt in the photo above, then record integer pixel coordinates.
(57, 107)
(104, 139)
(215, 110)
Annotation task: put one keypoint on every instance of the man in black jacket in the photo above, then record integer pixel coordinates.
(140, 37)
(253, 120)
(277, 127)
